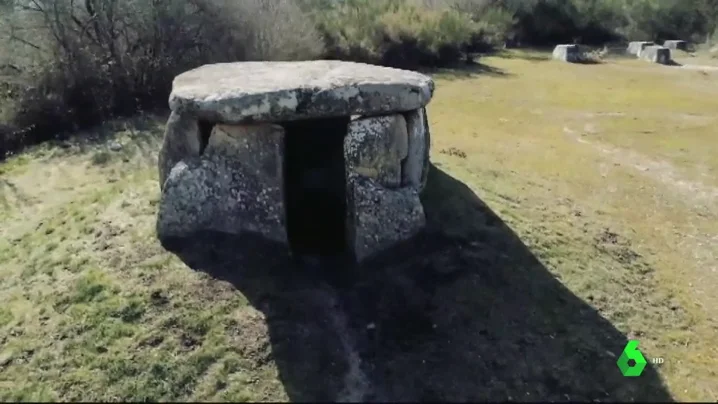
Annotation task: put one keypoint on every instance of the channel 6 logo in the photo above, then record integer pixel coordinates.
(631, 353)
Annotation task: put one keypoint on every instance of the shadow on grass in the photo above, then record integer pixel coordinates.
(467, 71)
(544, 55)
(620, 57)
(531, 55)
(589, 61)
(463, 312)
(93, 140)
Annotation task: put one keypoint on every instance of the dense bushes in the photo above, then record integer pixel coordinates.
(84, 61)
(394, 33)
(66, 64)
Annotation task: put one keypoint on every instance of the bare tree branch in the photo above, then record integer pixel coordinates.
(13, 37)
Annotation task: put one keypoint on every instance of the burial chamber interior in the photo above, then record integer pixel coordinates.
(315, 186)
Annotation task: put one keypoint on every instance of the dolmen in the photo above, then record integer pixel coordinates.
(656, 54)
(317, 157)
(567, 53)
(635, 48)
(676, 45)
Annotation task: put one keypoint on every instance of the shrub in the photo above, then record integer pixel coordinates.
(495, 27)
(83, 62)
(395, 33)
(66, 64)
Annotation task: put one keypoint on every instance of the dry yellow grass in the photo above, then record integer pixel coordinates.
(701, 56)
(606, 173)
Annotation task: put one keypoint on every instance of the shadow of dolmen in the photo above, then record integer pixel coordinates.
(462, 312)
(470, 69)
(537, 54)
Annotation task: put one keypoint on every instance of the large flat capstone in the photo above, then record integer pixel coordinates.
(286, 91)
(676, 44)
(635, 47)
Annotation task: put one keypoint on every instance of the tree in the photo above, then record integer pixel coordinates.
(709, 9)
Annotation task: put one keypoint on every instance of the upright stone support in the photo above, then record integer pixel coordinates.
(236, 186)
(181, 140)
(415, 169)
(380, 217)
(375, 147)
(382, 209)
(257, 145)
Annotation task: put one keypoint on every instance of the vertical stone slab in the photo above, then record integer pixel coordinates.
(375, 147)
(181, 140)
(656, 54)
(259, 146)
(381, 210)
(379, 217)
(415, 167)
(235, 187)
(427, 162)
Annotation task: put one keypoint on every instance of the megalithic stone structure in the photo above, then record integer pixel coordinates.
(317, 155)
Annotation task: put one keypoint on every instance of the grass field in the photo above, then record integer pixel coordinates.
(571, 207)
(702, 56)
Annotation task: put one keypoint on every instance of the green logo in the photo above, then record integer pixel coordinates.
(631, 352)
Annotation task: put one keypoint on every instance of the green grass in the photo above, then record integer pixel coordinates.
(94, 309)
(701, 56)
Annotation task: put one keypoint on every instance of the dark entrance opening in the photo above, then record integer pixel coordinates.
(315, 187)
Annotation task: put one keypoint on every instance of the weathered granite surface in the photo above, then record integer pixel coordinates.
(256, 145)
(236, 186)
(181, 140)
(380, 217)
(283, 91)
